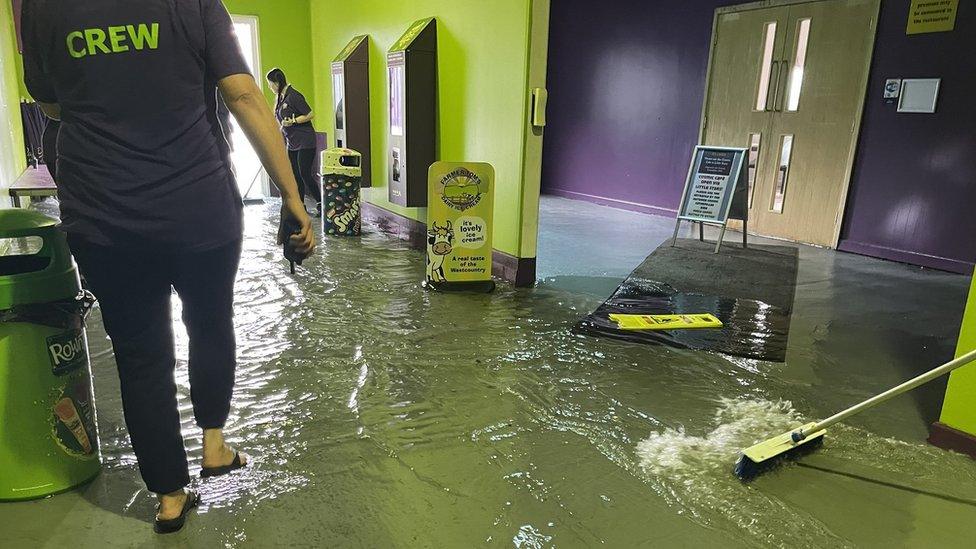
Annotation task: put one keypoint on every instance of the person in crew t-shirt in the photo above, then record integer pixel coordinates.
(149, 203)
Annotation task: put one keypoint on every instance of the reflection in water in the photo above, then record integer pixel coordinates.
(379, 415)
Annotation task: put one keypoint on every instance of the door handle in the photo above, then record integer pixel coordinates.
(786, 75)
(773, 83)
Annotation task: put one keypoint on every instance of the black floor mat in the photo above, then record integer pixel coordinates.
(751, 290)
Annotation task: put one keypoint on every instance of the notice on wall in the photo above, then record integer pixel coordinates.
(715, 176)
(932, 16)
(460, 210)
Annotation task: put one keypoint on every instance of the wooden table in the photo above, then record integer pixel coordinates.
(33, 182)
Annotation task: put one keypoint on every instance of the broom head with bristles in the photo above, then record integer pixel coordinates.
(766, 455)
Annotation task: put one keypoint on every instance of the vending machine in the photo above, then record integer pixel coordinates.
(350, 97)
(412, 73)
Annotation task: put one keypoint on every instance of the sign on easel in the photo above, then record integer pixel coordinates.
(716, 191)
(459, 226)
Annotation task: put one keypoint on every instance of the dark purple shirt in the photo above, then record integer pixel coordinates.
(140, 151)
(298, 136)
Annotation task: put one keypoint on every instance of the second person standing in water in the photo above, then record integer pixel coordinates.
(295, 116)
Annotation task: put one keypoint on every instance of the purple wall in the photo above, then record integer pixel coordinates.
(626, 87)
(626, 83)
(914, 187)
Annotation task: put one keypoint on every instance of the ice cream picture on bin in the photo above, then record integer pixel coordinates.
(67, 414)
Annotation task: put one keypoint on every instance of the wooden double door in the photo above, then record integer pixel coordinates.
(789, 83)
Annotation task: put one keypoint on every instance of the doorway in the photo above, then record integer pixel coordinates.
(252, 180)
(788, 82)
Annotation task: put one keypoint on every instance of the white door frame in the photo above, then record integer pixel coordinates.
(254, 24)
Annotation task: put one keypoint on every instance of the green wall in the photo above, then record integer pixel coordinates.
(483, 96)
(12, 160)
(286, 39)
(959, 410)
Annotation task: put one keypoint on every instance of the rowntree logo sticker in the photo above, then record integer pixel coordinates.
(462, 189)
(67, 351)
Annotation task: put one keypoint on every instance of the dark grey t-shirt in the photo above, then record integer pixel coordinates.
(298, 136)
(140, 152)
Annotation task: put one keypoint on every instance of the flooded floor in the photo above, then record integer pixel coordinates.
(380, 415)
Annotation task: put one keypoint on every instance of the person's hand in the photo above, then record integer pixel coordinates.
(288, 122)
(304, 241)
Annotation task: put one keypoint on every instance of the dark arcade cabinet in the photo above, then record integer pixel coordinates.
(350, 96)
(412, 72)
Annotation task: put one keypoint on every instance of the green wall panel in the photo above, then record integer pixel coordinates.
(482, 96)
(959, 410)
(12, 161)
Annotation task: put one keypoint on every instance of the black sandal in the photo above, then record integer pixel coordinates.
(175, 525)
(209, 472)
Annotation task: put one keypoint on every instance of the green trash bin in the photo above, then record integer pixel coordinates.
(342, 177)
(48, 435)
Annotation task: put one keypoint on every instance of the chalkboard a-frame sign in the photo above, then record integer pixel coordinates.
(717, 189)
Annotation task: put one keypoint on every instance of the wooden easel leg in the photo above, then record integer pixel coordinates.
(745, 235)
(721, 236)
(701, 232)
(674, 239)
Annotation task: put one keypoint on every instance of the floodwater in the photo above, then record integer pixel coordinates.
(380, 415)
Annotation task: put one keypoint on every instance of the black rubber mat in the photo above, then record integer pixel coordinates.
(750, 290)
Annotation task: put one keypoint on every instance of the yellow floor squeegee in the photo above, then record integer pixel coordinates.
(666, 322)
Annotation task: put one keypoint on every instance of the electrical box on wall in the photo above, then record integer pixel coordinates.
(412, 74)
(350, 97)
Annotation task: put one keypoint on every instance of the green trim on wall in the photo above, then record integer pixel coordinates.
(959, 409)
(482, 64)
(12, 156)
(537, 44)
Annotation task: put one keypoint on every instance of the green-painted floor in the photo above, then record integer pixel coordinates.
(379, 415)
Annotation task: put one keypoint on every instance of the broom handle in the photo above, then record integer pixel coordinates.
(887, 395)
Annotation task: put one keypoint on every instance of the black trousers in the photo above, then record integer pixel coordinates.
(134, 289)
(303, 165)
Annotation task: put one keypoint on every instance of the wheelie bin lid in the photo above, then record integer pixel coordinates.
(44, 276)
(17, 222)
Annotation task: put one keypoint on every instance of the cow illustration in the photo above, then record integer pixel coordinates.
(440, 243)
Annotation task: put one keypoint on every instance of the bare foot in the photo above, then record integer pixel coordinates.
(216, 452)
(171, 505)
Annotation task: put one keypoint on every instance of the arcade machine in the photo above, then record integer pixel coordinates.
(412, 71)
(350, 95)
